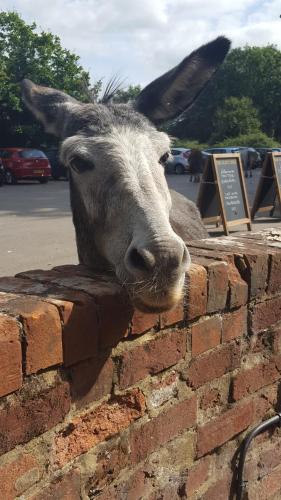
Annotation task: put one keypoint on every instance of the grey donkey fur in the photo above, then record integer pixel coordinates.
(125, 218)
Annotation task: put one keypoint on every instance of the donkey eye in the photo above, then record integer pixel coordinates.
(80, 164)
(164, 158)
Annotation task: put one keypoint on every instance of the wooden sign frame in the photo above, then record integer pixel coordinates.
(269, 166)
(216, 180)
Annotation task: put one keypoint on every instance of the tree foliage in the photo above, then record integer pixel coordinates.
(27, 53)
(253, 72)
(235, 117)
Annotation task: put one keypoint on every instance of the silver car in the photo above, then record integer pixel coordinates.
(177, 163)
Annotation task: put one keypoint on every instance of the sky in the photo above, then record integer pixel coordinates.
(138, 40)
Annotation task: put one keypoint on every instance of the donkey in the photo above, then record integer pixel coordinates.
(125, 218)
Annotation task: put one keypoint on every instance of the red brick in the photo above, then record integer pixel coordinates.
(114, 318)
(61, 488)
(42, 331)
(217, 286)
(22, 421)
(248, 381)
(80, 332)
(234, 324)
(196, 299)
(213, 364)
(142, 322)
(151, 357)
(220, 490)
(238, 288)
(18, 475)
(265, 314)
(205, 335)
(110, 461)
(91, 380)
(133, 486)
(221, 429)
(267, 487)
(98, 425)
(197, 476)
(10, 355)
(158, 431)
(274, 281)
(210, 398)
(175, 315)
(255, 271)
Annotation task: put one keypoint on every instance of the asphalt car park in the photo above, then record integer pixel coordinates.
(36, 224)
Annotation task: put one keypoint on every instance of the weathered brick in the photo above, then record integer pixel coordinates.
(197, 476)
(254, 270)
(274, 281)
(142, 322)
(28, 418)
(163, 390)
(62, 488)
(234, 324)
(217, 286)
(91, 380)
(267, 487)
(113, 457)
(96, 426)
(248, 381)
(80, 332)
(175, 315)
(205, 335)
(151, 357)
(210, 398)
(222, 489)
(18, 475)
(42, 332)
(158, 431)
(213, 364)
(265, 314)
(10, 355)
(221, 429)
(238, 288)
(196, 298)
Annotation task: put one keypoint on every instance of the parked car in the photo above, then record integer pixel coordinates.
(178, 161)
(57, 168)
(217, 151)
(25, 164)
(2, 173)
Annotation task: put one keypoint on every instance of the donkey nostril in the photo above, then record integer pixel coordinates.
(141, 259)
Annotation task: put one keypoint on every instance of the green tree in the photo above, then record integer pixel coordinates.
(237, 116)
(27, 53)
(128, 94)
(253, 72)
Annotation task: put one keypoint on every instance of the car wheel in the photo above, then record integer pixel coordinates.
(43, 180)
(10, 178)
(179, 170)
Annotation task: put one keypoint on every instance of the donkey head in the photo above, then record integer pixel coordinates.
(119, 195)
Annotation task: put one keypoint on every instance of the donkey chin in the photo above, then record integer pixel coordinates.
(158, 301)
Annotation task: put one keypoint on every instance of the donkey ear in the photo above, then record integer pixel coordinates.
(48, 105)
(172, 93)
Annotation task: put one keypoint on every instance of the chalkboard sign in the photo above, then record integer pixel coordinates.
(268, 189)
(222, 193)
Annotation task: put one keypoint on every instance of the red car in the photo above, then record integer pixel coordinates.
(25, 164)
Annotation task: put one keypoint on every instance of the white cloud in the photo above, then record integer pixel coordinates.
(141, 39)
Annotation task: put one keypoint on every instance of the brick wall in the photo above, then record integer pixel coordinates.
(100, 401)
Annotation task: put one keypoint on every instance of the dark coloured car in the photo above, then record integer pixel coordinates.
(25, 164)
(57, 168)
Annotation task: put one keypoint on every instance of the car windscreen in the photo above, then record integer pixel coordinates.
(32, 153)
